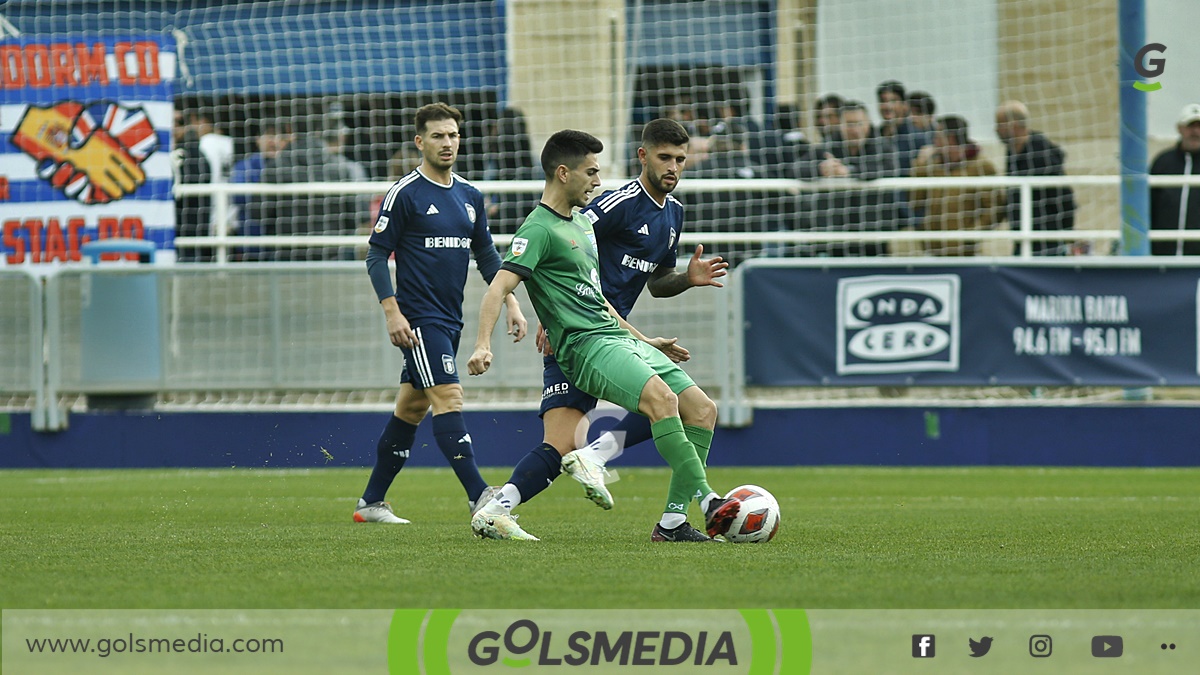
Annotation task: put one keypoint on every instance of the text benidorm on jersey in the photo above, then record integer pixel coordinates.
(447, 242)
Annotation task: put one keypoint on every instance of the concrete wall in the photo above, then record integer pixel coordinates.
(567, 69)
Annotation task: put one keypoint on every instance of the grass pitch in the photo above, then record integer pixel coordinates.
(850, 538)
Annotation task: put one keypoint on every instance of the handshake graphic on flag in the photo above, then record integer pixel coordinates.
(92, 153)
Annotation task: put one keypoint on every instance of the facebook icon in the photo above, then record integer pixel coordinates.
(923, 646)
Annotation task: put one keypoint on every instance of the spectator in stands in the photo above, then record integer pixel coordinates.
(204, 155)
(194, 213)
(955, 208)
(314, 158)
(779, 148)
(827, 118)
(920, 114)
(400, 164)
(1030, 153)
(921, 123)
(508, 155)
(269, 141)
(893, 108)
(339, 167)
(728, 155)
(1176, 208)
(857, 155)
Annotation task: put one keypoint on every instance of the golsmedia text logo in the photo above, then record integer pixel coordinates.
(524, 638)
(1149, 68)
(713, 642)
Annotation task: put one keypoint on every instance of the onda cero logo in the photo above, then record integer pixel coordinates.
(1149, 68)
(524, 643)
(892, 324)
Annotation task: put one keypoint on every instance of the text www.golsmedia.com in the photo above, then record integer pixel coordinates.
(131, 644)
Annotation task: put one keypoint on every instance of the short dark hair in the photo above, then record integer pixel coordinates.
(955, 127)
(568, 148)
(664, 131)
(830, 101)
(434, 112)
(854, 106)
(921, 103)
(889, 85)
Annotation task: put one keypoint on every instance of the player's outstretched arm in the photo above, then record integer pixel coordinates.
(665, 283)
(489, 313)
(668, 346)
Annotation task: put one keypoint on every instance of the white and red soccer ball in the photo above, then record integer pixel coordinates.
(757, 520)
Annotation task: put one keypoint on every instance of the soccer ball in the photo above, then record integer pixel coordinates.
(758, 519)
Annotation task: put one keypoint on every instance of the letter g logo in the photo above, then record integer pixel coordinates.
(1149, 68)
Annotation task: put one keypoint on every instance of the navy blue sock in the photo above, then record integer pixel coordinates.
(450, 432)
(636, 428)
(536, 471)
(390, 454)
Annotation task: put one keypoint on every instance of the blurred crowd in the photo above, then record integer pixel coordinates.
(846, 153)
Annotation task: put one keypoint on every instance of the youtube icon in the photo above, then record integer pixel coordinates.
(1107, 646)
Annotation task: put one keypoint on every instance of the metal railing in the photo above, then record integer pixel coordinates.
(223, 238)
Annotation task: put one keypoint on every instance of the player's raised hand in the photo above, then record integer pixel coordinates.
(670, 347)
(480, 361)
(706, 272)
(400, 332)
(542, 341)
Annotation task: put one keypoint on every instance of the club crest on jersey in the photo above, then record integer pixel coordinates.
(672, 242)
(471, 212)
(448, 364)
(518, 245)
(381, 224)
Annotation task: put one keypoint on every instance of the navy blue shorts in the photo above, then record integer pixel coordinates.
(431, 362)
(558, 392)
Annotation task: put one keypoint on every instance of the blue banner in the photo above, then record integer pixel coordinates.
(1084, 325)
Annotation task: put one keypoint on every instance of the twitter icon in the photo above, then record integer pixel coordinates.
(980, 647)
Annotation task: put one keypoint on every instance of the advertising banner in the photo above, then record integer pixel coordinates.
(85, 139)
(985, 325)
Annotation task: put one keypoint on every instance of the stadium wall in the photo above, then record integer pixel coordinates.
(900, 436)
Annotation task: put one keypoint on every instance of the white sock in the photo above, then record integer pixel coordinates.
(707, 500)
(505, 501)
(672, 520)
(606, 446)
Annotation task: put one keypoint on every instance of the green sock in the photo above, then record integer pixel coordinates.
(687, 472)
(701, 439)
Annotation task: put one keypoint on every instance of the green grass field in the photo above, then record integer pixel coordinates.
(851, 538)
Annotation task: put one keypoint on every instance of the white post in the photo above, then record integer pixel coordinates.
(1026, 192)
(220, 200)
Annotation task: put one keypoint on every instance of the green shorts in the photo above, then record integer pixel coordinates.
(617, 367)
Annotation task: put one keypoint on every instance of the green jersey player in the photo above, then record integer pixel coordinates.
(554, 252)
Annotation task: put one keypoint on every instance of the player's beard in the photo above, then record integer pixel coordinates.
(657, 182)
(442, 163)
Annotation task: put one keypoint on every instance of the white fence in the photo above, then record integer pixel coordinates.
(224, 238)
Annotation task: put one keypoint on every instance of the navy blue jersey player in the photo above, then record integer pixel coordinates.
(636, 227)
(432, 221)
